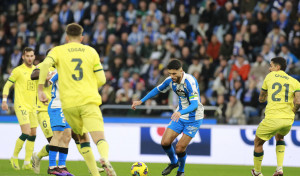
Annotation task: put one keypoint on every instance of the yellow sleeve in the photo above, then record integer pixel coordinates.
(13, 76)
(264, 86)
(44, 69)
(7, 86)
(98, 70)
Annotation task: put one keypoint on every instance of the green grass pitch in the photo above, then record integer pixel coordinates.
(78, 168)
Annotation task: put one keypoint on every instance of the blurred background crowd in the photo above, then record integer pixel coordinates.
(225, 44)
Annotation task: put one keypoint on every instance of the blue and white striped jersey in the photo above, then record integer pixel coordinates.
(187, 91)
(55, 101)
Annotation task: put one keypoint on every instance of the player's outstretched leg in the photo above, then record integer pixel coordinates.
(63, 151)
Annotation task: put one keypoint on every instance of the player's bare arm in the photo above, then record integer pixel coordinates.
(263, 96)
(135, 104)
(6, 88)
(296, 102)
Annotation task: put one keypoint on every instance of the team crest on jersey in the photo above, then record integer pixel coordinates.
(180, 92)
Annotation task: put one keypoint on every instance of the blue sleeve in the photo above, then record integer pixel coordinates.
(151, 94)
(165, 86)
(54, 78)
(190, 108)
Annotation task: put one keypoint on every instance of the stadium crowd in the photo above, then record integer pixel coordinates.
(226, 45)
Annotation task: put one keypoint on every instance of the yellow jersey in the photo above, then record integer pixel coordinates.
(25, 88)
(76, 65)
(39, 105)
(281, 88)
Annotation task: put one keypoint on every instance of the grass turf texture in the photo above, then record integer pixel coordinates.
(78, 168)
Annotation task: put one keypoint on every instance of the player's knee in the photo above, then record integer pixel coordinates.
(67, 138)
(180, 148)
(165, 143)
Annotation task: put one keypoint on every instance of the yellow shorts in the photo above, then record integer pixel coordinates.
(44, 121)
(85, 118)
(26, 117)
(270, 127)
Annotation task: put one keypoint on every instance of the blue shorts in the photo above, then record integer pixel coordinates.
(57, 119)
(189, 128)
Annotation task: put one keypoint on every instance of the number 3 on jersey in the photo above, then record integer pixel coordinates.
(77, 68)
(276, 84)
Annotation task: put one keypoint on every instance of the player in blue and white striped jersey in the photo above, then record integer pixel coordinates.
(186, 119)
(61, 133)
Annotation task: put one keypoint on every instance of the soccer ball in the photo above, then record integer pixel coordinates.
(139, 169)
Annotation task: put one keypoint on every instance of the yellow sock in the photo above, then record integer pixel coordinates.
(280, 147)
(102, 146)
(44, 151)
(89, 158)
(79, 148)
(29, 148)
(19, 144)
(258, 157)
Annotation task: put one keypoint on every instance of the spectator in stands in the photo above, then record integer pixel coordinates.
(110, 79)
(65, 15)
(256, 41)
(274, 36)
(136, 78)
(176, 34)
(108, 94)
(259, 70)
(267, 53)
(227, 46)
(116, 52)
(116, 66)
(146, 49)
(241, 66)
(124, 95)
(15, 58)
(196, 66)
(55, 32)
(250, 100)
(221, 109)
(124, 77)
(44, 47)
(79, 12)
(213, 48)
(120, 27)
(295, 32)
(124, 41)
(130, 66)
(200, 32)
(234, 111)
(207, 73)
(194, 17)
(291, 59)
(100, 31)
(135, 37)
(295, 46)
(90, 17)
(130, 14)
(139, 91)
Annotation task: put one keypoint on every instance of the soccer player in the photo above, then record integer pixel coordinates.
(61, 133)
(25, 93)
(187, 118)
(80, 75)
(44, 121)
(280, 90)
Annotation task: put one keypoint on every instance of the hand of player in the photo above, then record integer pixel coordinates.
(135, 103)
(4, 106)
(49, 76)
(175, 116)
(42, 97)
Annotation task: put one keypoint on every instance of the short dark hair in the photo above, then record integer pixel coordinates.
(74, 30)
(279, 61)
(174, 64)
(27, 49)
